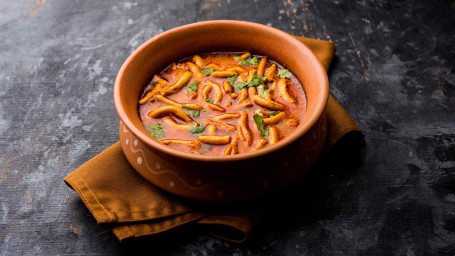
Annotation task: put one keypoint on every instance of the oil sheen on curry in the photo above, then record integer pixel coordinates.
(222, 103)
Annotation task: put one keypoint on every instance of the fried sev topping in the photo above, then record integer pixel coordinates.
(224, 94)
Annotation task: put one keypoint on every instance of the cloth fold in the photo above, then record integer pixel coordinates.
(118, 196)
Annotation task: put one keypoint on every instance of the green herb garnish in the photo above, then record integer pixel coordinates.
(272, 113)
(207, 71)
(209, 100)
(193, 113)
(250, 61)
(262, 91)
(192, 86)
(260, 124)
(232, 79)
(197, 129)
(240, 86)
(284, 73)
(236, 57)
(156, 130)
(256, 81)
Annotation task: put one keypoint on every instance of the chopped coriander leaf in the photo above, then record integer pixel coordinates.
(256, 81)
(272, 113)
(193, 113)
(254, 61)
(262, 91)
(232, 79)
(261, 88)
(194, 85)
(194, 122)
(267, 91)
(260, 124)
(207, 71)
(236, 57)
(284, 73)
(250, 61)
(209, 100)
(240, 86)
(156, 130)
(233, 100)
(197, 129)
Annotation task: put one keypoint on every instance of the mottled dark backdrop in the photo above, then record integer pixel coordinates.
(394, 72)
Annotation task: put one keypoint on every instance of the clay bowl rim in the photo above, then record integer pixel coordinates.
(295, 135)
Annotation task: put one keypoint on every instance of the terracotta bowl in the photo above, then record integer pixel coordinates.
(221, 178)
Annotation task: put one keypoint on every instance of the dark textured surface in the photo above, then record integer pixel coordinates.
(394, 72)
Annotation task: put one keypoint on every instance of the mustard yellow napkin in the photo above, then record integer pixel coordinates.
(118, 196)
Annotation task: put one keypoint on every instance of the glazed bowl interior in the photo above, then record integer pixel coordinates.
(215, 36)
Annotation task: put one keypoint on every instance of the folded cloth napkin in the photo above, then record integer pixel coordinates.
(118, 196)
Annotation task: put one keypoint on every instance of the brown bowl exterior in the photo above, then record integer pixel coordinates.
(221, 178)
(225, 181)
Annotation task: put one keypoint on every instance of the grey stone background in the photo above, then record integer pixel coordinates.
(394, 72)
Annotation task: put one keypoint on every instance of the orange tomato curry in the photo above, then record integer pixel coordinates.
(222, 104)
